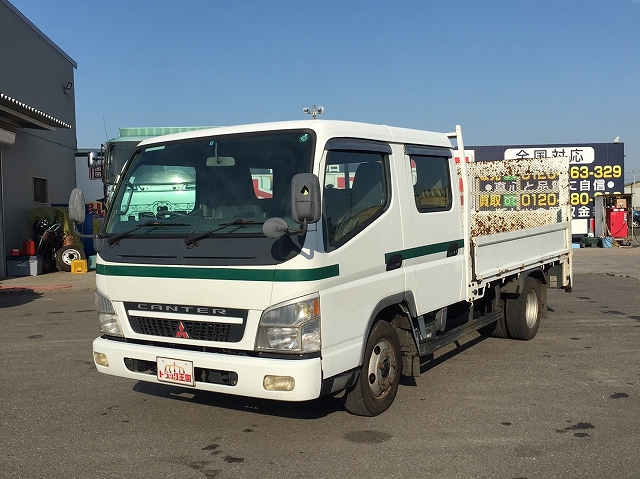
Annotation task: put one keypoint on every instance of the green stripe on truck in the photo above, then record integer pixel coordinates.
(425, 250)
(231, 274)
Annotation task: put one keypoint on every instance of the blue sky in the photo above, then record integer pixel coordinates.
(508, 71)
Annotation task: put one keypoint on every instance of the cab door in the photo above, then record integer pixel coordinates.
(436, 253)
(362, 224)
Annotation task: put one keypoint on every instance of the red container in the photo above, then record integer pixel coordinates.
(29, 248)
(617, 223)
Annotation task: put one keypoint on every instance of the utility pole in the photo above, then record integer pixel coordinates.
(633, 200)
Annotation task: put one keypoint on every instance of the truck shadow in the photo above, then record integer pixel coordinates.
(432, 362)
(429, 362)
(314, 409)
(17, 297)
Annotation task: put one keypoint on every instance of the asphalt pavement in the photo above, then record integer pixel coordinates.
(59, 281)
(564, 405)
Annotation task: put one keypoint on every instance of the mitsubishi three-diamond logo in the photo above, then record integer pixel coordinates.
(181, 333)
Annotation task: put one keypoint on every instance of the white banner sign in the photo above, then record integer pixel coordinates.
(578, 155)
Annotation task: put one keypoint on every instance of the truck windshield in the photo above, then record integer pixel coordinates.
(116, 156)
(216, 185)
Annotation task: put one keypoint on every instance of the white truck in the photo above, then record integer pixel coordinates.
(369, 248)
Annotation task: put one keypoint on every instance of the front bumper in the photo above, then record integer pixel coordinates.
(250, 371)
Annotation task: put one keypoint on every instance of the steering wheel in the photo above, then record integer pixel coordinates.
(168, 214)
(351, 222)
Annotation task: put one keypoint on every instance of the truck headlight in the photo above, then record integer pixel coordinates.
(292, 327)
(107, 317)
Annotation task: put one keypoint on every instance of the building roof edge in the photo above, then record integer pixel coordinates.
(39, 32)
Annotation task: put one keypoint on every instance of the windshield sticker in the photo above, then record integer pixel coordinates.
(304, 138)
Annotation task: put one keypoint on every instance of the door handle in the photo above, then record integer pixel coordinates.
(452, 250)
(394, 262)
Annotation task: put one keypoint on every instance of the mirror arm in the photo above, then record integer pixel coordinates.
(82, 235)
(303, 228)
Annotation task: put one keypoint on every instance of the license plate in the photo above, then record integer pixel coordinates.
(175, 371)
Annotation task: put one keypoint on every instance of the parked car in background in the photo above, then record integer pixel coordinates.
(636, 218)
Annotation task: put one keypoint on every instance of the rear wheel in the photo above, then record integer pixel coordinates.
(499, 328)
(522, 314)
(67, 254)
(377, 385)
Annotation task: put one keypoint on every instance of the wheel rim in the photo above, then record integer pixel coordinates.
(70, 255)
(382, 369)
(531, 309)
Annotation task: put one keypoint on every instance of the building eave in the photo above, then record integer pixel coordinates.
(22, 115)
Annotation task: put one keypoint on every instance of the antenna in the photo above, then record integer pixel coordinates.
(105, 127)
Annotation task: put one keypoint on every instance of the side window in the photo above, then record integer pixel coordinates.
(356, 192)
(431, 184)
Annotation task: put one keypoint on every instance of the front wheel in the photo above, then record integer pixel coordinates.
(523, 313)
(377, 385)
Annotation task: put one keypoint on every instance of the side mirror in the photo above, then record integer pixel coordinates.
(76, 206)
(76, 214)
(305, 207)
(275, 228)
(305, 198)
(94, 159)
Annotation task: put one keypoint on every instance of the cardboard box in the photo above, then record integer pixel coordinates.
(24, 265)
(621, 203)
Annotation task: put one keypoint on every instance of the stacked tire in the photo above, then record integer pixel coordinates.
(66, 255)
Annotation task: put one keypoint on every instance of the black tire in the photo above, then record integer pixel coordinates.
(47, 266)
(377, 385)
(499, 328)
(522, 314)
(67, 254)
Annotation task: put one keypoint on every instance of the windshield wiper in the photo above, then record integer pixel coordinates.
(154, 223)
(191, 240)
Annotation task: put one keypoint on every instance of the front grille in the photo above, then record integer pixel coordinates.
(196, 330)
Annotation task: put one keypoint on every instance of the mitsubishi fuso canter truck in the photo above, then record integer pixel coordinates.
(292, 260)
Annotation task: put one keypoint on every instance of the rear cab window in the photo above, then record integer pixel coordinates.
(430, 177)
